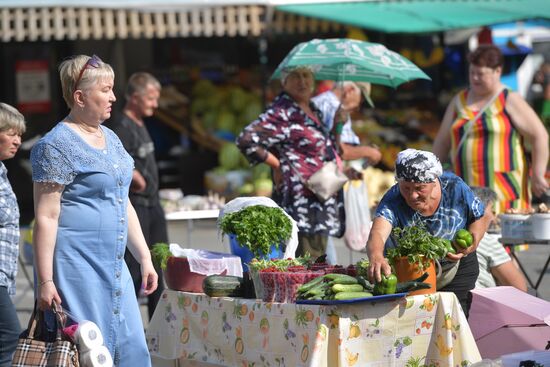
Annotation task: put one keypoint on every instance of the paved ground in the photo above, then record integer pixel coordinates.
(205, 235)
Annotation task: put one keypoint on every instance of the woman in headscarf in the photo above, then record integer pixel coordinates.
(291, 138)
(441, 202)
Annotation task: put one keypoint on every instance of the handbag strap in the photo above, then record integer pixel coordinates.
(472, 121)
(37, 319)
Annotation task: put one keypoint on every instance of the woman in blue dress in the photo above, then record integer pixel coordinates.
(84, 219)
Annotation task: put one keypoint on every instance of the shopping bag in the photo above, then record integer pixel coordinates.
(327, 181)
(358, 219)
(39, 348)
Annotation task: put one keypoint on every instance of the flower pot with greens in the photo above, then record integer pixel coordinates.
(416, 252)
(258, 230)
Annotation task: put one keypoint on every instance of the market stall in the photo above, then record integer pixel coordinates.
(196, 329)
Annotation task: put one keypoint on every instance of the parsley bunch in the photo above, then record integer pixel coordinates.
(257, 228)
(418, 245)
(160, 254)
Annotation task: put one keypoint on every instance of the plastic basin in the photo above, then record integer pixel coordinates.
(246, 255)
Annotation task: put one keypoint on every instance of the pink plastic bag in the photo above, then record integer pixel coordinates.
(358, 221)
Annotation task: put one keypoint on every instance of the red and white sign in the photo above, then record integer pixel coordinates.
(33, 86)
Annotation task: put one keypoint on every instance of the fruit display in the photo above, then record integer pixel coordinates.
(378, 182)
(224, 110)
(212, 114)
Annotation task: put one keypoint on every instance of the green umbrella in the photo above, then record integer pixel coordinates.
(346, 59)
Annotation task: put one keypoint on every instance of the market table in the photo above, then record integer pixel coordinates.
(194, 329)
(511, 242)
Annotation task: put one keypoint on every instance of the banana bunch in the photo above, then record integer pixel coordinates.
(334, 287)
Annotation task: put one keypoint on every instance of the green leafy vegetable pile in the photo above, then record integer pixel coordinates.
(160, 254)
(257, 228)
(418, 245)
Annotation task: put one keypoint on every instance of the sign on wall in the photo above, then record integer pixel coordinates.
(33, 86)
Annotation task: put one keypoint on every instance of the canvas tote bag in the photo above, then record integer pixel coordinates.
(326, 181)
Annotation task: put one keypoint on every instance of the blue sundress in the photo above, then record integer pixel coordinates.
(88, 264)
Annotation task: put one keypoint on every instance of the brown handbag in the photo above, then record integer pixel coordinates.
(38, 348)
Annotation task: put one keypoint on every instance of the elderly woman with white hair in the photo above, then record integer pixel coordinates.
(12, 126)
(83, 218)
(291, 138)
(440, 201)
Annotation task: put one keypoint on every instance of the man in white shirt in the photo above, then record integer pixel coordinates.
(336, 106)
(495, 265)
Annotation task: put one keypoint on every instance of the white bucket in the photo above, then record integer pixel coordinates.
(540, 226)
(515, 226)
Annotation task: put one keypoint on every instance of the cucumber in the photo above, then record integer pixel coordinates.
(411, 286)
(312, 283)
(365, 283)
(340, 296)
(336, 288)
(223, 286)
(334, 278)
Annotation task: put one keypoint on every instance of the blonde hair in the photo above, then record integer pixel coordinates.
(70, 69)
(138, 83)
(10, 118)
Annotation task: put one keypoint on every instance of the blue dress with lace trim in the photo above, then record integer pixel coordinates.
(88, 264)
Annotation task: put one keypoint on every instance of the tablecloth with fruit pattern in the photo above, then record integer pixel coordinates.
(424, 330)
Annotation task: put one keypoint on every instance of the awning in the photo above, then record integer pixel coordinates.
(423, 16)
(73, 22)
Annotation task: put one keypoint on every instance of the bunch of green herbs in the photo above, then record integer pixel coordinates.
(418, 245)
(258, 227)
(160, 254)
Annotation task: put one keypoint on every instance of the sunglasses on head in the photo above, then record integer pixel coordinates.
(93, 62)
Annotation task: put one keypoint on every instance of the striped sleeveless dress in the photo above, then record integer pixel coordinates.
(493, 153)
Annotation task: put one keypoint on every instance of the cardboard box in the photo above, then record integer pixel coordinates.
(506, 320)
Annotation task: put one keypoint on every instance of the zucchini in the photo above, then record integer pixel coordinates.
(421, 278)
(340, 296)
(336, 288)
(223, 286)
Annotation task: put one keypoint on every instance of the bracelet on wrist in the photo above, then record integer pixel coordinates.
(44, 282)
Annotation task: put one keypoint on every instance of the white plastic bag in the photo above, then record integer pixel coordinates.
(358, 221)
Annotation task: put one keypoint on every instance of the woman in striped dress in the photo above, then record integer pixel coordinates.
(490, 150)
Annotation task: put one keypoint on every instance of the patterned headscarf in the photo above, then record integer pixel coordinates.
(417, 166)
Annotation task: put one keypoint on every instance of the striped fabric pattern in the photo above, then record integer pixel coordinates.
(493, 153)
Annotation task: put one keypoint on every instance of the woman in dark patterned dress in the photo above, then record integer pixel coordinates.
(290, 137)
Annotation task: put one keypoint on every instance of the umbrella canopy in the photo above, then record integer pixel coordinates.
(346, 59)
